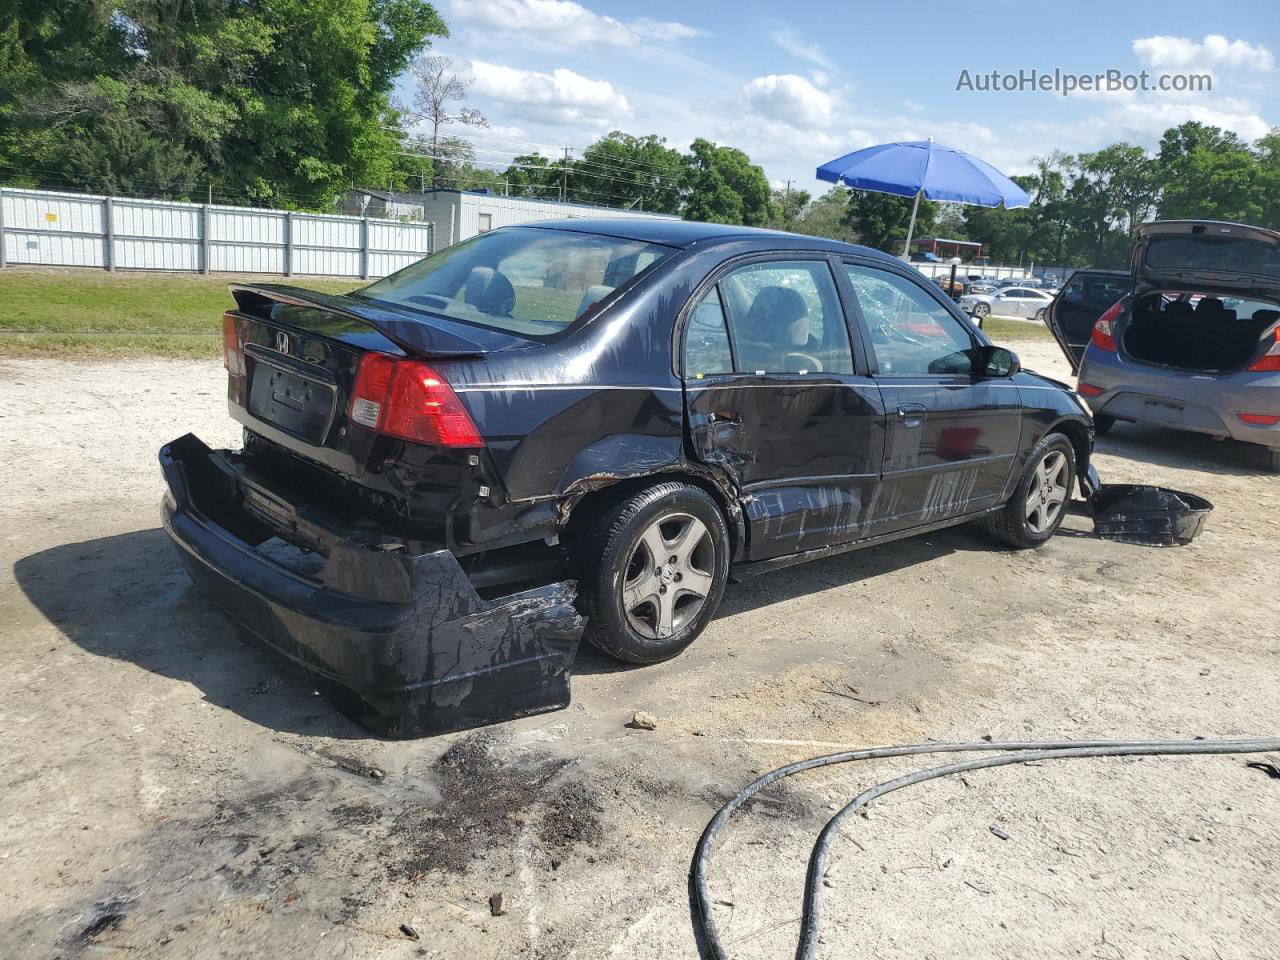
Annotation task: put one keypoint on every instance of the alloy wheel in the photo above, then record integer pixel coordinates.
(1047, 494)
(668, 575)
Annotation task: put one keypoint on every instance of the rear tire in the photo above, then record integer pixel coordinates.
(1102, 424)
(1273, 459)
(980, 311)
(654, 572)
(1039, 502)
(1041, 314)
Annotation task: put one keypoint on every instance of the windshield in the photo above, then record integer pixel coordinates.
(1213, 254)
(530, 282)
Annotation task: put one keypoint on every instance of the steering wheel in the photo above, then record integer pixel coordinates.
(814, 364)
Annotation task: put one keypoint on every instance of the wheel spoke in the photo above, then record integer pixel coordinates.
(642, 590)
(1055, 473)
(655, 545)
(687, 541)
(696, 582)
(666, 605)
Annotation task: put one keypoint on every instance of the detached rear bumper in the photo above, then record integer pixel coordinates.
(401, 644)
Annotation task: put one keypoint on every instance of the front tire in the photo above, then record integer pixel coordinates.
(1041, 314)
(1039, 502)
(655, 571)
(980, 311)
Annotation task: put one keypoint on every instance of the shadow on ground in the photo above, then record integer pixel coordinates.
(128, 598)
(1162, 447)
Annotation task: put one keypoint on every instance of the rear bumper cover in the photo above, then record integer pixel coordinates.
(1182, 400)
(401, 644)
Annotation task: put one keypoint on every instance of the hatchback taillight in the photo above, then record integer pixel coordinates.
(1270, 361)
(410, 400)
(232, 353)
(1102, 336)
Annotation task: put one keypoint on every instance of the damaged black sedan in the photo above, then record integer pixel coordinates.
(449, 475)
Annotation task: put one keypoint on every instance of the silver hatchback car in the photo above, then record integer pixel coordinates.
(1189, 339)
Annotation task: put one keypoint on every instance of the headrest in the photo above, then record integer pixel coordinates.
(779, 308)
(1266, 316)
(489, 291)
(1209, 305)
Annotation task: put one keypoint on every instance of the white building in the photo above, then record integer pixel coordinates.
(460, 215)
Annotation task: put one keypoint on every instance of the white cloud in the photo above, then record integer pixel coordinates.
(559, 97)
(791, 99)
(790, 42)
(563, 23)
(1215, 50)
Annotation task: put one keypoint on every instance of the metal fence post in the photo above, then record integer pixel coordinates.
(364, 248)
(204, 238)
(109, 234)
(3, 261)
(288, 244)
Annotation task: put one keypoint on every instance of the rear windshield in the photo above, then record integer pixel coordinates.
(1213, 254)
(530, 282)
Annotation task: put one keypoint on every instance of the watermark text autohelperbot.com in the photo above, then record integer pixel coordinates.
(1065, 83)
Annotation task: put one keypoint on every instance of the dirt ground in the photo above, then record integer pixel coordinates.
(168, 792)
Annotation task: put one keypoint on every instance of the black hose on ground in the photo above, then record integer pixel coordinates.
(1023, 751)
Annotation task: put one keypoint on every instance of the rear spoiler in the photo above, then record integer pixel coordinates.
(422, 334)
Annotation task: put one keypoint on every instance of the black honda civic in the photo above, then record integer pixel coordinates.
(450, 475)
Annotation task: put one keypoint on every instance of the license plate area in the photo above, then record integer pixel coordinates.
(298, 404)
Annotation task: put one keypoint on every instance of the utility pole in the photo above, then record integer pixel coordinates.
(786, 205)
(564, 176)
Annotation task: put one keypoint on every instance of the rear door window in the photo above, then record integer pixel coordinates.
(786, 318)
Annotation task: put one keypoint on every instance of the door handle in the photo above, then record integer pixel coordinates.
(911, 414)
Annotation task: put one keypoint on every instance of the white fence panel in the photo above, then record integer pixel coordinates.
(47, 228)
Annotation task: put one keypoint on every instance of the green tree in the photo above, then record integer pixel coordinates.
(1208, 173)
(533, 175)
(880, 220)
(788, 209)
(624, 170)
(722, 185)
(282, 101)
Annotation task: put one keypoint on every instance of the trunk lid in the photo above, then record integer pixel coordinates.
(298, 357)
(1207, 256)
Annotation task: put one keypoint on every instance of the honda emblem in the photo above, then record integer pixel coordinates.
(282, 342)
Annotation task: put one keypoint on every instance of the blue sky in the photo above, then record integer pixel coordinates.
(797, 84)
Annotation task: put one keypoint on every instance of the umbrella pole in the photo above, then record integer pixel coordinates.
(915, 207)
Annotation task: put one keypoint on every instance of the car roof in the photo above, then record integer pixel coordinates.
(686, 233)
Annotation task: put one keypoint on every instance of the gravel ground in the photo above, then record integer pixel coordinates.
(169, 793)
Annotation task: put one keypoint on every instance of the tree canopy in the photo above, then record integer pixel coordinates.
(282, 101)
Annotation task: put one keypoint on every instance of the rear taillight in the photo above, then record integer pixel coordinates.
(1269, 361)
(1260, 419)
(1102, 337)
(408, 399)
(1089, 390)
(232, 354)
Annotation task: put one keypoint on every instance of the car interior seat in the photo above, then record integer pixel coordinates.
(489, 291)
(776, 324)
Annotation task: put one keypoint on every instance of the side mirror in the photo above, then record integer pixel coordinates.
(994, 362)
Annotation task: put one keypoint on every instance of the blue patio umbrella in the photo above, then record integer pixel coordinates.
(922, 168)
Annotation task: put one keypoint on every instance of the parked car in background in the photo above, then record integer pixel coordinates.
(1009, 302)
(926, 256)
(446, 471)
(1191, 339)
